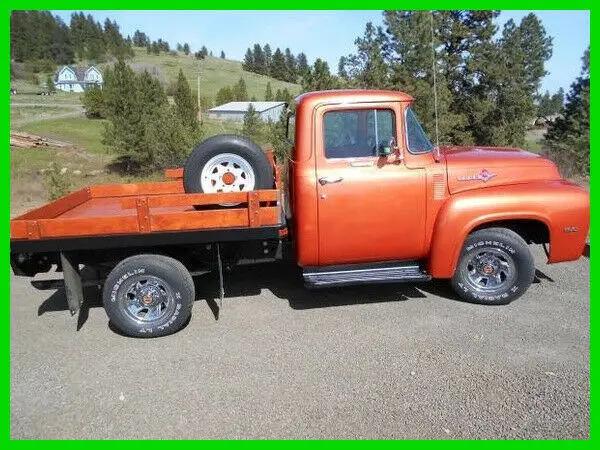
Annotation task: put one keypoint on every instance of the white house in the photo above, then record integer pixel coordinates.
(73, 79)
(235, 111)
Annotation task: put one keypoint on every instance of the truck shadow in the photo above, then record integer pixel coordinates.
(284, 280)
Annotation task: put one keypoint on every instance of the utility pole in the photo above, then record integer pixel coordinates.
(199, 106)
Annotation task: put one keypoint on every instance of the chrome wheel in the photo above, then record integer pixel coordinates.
(490, 270)
(147, 299)
(227, 172)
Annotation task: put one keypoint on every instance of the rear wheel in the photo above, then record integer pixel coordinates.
(148, 295)
(495, 267)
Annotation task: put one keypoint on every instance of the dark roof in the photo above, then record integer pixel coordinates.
(79, 72)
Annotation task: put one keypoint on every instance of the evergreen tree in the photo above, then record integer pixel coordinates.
(569, 137)
(268, 92)
(185, 105)
(224, 95)
(268, 58)
(290, 66)
(240, 93)
(302, 64)
(186, 49)
(342, 72)
(140, 39)
(547, 104)
(260, 65)
(50, 83)
(222, 54)
(179, 47)
(319, 78)
(125, 130)
(278, 67)
(93, 103)
(248, 63)
(252, 123)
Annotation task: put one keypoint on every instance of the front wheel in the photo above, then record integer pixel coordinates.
(149, 295)
(495, 267)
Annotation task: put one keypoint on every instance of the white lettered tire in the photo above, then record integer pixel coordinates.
(148, 295)
(495, 267)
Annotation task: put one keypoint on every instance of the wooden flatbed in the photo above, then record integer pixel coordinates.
(104, 216)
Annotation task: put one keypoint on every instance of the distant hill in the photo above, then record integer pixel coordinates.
(215, 73)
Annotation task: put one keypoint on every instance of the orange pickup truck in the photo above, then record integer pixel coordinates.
(369, 199)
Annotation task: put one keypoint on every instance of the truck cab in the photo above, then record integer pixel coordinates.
(368, 187)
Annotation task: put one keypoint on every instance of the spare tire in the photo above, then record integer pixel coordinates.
(227, 163)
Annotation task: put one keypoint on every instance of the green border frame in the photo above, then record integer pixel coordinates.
(305, 5)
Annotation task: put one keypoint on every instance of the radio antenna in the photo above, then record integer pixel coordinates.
(435, 98)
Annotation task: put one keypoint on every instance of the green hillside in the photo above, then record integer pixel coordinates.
(215, 73)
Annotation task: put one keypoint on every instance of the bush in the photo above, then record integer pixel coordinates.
(169, 140)
(93, 103)
(57, 184)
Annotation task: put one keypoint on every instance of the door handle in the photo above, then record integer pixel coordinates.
(327, 180)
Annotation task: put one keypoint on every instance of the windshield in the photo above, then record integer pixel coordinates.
(418, 142)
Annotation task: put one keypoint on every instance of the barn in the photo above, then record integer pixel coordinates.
(234, 111)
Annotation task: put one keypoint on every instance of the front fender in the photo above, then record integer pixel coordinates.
(562, 206)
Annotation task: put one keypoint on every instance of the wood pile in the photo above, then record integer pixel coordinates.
(26, 140)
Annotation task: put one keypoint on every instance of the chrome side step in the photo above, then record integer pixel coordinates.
(346, 275)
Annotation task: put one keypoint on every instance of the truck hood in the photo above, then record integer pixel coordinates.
(479, 167)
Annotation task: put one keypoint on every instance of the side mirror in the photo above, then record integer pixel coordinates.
(391, 148)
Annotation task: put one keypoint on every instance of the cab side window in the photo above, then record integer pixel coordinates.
(357, 133)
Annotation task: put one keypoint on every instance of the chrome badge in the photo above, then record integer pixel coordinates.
(484, 175)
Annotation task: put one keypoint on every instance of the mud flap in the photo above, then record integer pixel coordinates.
(73, 285)
(221, 287)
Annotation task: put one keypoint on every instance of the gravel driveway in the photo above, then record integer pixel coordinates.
(396, 361)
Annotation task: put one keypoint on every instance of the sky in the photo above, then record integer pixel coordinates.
(326, 34)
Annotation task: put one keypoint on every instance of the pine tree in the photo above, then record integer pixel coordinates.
(222, 54)
(290, 66)
(319, 78)
(50, 83)
(93, 103)
(248, 63)
(240, 93)
(568, 138)
(268, 58)
(186, 49)
(278, 68)
(252, 123)
(260, 65)
(125, 130)
(224, 95)
(185, 105)
(342, 72)
(302, 64)
(268, 92)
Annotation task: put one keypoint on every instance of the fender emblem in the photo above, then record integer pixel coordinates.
(484, 175)
(570, 229)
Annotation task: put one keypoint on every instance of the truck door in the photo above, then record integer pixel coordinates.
(370, 207)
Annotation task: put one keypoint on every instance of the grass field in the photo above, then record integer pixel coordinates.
(35, 113)
(84, 133)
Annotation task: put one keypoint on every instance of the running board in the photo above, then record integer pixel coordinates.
(346, 275)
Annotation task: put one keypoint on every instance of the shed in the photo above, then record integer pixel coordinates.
(234, 111)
